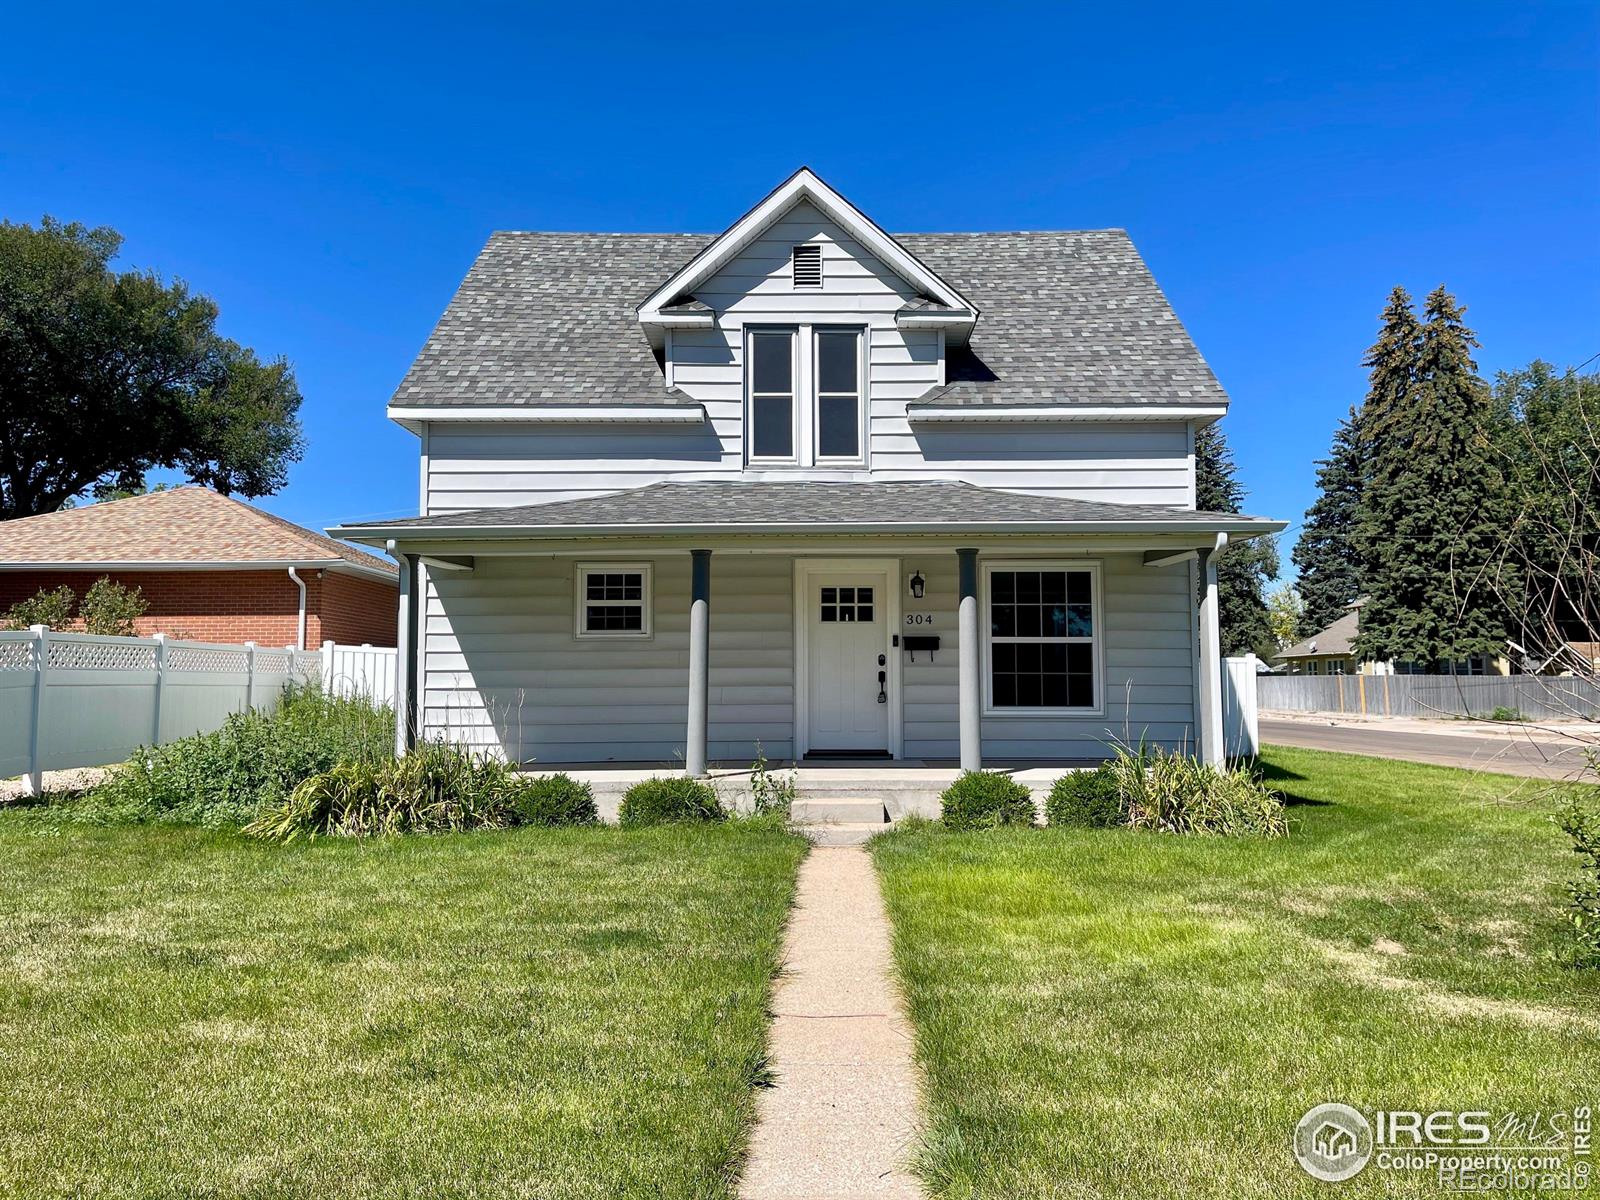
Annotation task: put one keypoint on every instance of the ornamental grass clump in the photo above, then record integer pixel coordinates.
(984, 800)
(670, 800)
(1172, 792)
(436, 788)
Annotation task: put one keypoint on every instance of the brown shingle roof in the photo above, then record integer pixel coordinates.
(182, 525)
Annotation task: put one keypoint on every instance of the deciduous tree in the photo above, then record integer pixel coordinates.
(105, 375)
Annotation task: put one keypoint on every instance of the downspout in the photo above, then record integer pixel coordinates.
(300, 625)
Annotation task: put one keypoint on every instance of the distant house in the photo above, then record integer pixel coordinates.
(211, 568)
(1331, 651)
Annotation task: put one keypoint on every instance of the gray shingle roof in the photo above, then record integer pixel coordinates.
(765, 506)
(1337, 638)
(1068, 318)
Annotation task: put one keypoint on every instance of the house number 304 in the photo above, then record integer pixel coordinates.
(919, 618)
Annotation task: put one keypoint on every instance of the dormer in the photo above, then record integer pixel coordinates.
(930, 301)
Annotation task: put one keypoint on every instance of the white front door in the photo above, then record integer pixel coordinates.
(847, 647)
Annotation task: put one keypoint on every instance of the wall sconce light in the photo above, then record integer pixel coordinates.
(919, 585)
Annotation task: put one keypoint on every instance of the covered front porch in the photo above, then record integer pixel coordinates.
(903, 631)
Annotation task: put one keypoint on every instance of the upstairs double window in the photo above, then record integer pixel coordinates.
(805, 397)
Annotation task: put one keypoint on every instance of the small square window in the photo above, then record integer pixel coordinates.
(615, 601)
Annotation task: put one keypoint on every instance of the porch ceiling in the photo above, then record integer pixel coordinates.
(678, 509)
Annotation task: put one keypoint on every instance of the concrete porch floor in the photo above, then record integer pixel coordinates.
(905, 787)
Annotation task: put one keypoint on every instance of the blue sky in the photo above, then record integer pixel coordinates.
(327, 173)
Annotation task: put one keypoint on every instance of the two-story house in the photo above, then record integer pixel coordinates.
(809, 485)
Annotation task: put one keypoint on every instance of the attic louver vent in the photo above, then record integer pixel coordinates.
(808, 266)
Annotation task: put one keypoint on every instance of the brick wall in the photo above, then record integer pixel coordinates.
(237, 606)
(356, 609)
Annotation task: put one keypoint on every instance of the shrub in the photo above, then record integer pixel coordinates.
(436, 788)
(985, 799)
(111, 609)
(53, 609)
(661, 801)
(1507, 714)
(1172, 792)
(226, 777)
(1581, 822)
(1089, 799)
(551, 800)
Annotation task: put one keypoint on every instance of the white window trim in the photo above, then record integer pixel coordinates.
(859, 458)
(1093, 567)
(646, 600)
(796, 333)
(804, 430)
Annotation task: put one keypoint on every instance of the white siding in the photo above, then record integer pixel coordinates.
(1149, 628)
(503, 668)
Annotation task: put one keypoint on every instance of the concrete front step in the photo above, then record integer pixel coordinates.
(840, 833)
(849, 810)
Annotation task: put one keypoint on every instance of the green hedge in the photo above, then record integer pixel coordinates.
(985, 799)
(661, 801)
(1086, 799)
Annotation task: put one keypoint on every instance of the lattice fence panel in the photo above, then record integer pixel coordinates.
(101, 656)
(16, 655)
(205, 658)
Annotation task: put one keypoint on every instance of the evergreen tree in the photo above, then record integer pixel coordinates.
(1429, 517)
(1330, 575)
(1245, 569)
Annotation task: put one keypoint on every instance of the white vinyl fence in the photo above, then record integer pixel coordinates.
(359, 671)
(1541, 697)
(82, 700)
(1241, 727)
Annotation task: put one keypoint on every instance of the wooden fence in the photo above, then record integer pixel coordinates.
(1541, 697)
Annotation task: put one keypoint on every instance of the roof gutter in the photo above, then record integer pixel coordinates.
(157, 564)
(998, 414)
(380, 534)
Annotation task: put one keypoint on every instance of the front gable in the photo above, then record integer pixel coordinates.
(754, 256)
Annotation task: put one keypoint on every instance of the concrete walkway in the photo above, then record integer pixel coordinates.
(842, 1116)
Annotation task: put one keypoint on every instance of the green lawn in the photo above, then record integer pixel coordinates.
(1104, 1013)
(543, 1013)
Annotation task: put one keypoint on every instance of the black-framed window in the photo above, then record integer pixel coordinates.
(839, 393)
(1043, 627)
(613, 600)
(772, 372)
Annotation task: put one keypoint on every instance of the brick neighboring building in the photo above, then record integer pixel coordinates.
(211, 568)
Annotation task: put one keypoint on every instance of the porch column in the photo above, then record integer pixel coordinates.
(694, 754)
(1210, 657)
(969, 691)
(405, 655)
